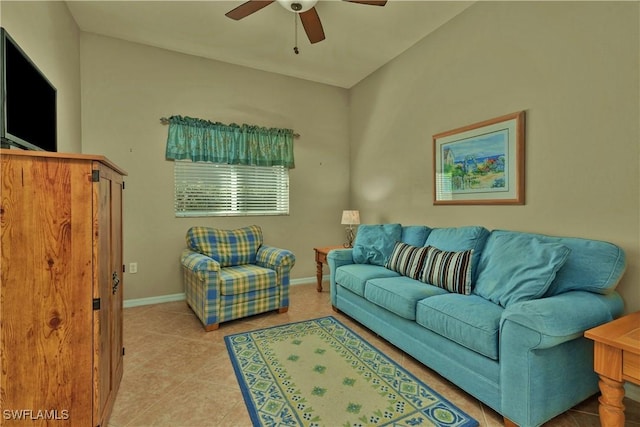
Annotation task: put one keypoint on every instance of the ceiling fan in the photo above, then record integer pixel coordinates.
(305, 8)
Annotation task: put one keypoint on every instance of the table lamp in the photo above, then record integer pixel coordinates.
(350, 218)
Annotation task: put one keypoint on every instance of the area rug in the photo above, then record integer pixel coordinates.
(320, 373)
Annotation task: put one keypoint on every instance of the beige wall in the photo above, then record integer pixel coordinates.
(573, 67)
(127, 87)
(50, 37)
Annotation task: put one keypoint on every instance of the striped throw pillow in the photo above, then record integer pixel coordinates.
(448, 270)
(407, 260)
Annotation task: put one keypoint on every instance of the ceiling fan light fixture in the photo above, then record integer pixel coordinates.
(297, 6)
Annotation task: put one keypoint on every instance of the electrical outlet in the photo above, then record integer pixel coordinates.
(133, 267)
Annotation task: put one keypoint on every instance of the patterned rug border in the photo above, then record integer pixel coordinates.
(249, 403)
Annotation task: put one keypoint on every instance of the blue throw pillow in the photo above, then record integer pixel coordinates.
(415, 235)
(374, 243)
(518, 268)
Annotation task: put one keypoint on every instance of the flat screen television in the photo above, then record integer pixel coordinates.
(28, 116)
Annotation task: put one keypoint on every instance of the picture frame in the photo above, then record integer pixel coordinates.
(480, 164)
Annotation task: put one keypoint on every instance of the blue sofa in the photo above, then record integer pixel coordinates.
(501, 314)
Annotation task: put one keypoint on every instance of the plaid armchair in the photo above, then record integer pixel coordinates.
(229, 274)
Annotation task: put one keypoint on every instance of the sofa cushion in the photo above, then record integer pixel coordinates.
(246, 278)
(460, 239)
(593, 266)
(518, 267)
(471, 321)
(448, 270)
(228, 247)
(415, 235)
(407, 260)
(355, 276)
(374, 243)
(399, 294)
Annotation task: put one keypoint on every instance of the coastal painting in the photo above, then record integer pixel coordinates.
(477, 164)
(481, 163)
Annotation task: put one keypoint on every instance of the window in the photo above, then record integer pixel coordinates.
(213, 189)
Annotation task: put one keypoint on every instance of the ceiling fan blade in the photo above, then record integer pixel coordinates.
(312, 25)
(247, 8)
(369, 2)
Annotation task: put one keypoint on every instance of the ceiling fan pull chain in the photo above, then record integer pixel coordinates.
(295, 35)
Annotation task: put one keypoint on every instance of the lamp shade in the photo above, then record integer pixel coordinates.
(350, 217)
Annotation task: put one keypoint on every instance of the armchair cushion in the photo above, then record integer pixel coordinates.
(228, 247)
(241, 279)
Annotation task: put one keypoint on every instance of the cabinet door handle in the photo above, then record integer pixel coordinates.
(116, 282)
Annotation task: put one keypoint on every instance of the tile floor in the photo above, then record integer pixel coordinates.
(176, 374)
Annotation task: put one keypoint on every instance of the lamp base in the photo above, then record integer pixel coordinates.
(350, 237)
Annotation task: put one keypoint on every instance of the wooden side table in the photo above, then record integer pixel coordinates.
(321, 258)
(616, 360)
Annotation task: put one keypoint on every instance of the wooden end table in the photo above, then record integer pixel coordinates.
(321, 258)
(616, 360)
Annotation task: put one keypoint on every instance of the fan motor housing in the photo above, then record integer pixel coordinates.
(297, 6)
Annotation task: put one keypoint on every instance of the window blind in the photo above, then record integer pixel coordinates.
(213, 189)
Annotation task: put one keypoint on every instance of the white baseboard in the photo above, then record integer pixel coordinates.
(137, 302)
(632, 391)
(307, 280)
(153, 300)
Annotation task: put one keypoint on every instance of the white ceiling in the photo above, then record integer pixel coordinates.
(359, 38)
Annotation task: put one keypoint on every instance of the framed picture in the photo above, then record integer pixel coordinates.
(480, 164)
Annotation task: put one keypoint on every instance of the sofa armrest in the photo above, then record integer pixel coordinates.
(546, 363)
(274, 258)
(337, 258)
(565, 316)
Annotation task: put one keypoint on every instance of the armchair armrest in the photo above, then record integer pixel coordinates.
(198, 262)
(274, 258)
(282, 261)
(565, 316)
(201, 280)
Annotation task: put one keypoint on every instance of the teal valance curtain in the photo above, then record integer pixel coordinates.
(205, 141)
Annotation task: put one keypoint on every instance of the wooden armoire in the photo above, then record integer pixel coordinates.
(61, 345)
